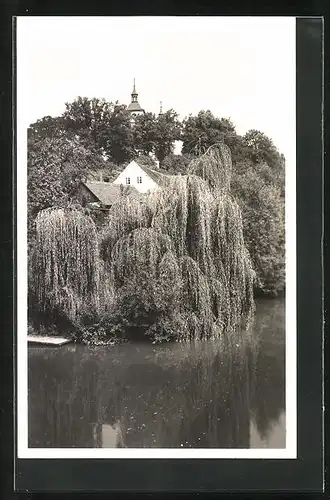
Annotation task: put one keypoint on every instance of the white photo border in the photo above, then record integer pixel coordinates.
(23, 451)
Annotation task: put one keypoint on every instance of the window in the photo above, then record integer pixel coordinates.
(139, 180)
(128, 180)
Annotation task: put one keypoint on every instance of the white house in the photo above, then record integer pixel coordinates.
(140, 177)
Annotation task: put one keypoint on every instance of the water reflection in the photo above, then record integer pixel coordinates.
(108, 436)
(206, 395)
(268, 387)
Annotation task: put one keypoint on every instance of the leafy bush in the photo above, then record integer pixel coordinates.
(177, 164)
(147, 161)
(264, 228)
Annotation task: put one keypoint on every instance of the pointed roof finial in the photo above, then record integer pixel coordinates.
(134, 91)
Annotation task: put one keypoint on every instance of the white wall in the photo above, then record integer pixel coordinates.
(133, 170)
(178, 147)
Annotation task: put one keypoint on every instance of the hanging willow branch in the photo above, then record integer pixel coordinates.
(193, 227)
(214, 166)
(139, 250)
(176, 255)
(65, 263)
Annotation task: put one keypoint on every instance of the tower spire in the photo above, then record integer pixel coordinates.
(161, 108)
(134, 107)
(134, 93)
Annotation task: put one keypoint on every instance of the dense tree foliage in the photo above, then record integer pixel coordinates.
(168, 130)
(263, 225)
(259, 185)
(95, 139)
(145, 133)
(48, 127)
(177, 164)
(147, 161)
(118, 141)
(176, 260)
(55, 167)
(102, 126)
(202, 131)
(89, 120)
(107, 128)
(262, 149)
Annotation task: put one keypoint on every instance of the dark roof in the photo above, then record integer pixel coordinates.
(134, 106)
(108, 193)
(159, 177)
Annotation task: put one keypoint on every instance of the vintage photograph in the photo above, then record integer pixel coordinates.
(156, 236)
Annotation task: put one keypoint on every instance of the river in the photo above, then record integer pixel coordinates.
(203, 395)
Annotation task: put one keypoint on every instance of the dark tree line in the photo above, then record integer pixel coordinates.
(105, 128)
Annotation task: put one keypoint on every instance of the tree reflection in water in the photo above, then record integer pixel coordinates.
(268, 389)
(201, 395)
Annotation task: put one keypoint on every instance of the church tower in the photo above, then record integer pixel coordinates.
(134, 107)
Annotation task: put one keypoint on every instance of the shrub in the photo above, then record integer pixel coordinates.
(264, 229)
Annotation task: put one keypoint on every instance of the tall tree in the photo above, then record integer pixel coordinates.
(263, 224)
(89, 120)
(47, 127)
(118, 138)
(55, 167)
(204, 130)
(145, 133)
(101, 126)
(168, 130)
(262, 149)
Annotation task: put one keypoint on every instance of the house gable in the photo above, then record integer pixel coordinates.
(138, 177)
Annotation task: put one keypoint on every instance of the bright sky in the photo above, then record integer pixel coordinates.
(238, 67)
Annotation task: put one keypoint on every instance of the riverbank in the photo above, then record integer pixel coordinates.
(107, 334)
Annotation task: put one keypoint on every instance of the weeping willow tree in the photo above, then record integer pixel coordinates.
(173, 263)
(64, 273)
(215, 167)
(178, 254)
